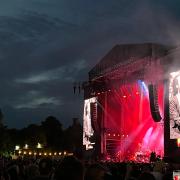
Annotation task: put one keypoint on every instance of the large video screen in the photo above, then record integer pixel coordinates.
(88, 131)
(174, 104)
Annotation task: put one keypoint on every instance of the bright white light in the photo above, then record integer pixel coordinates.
(26, 146)
(17, 147)
(39, 146)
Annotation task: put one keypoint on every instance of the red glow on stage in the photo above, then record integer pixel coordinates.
(130, 117)
(178, 142)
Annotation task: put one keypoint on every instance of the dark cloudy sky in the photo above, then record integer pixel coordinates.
(46, 45)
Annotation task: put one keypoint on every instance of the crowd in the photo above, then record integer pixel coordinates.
(70, 168)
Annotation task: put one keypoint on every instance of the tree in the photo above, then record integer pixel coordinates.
(5, 140)
(1, 118)
(33, 135)
(53, 131)
(73, 137)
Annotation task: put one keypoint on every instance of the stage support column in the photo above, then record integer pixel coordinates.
(121, 134)
(140, 106)
(103, 127)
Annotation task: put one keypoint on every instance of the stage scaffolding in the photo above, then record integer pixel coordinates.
(124, 64)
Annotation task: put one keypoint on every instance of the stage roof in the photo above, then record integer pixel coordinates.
(124, 55)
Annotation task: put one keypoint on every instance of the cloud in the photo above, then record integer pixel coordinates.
(36, 103)
(36, 99)
(64, 73)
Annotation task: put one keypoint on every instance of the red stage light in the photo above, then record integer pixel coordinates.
(178, 142)
(98, 93)
(131, 118)
(114, 134)
(109, 134)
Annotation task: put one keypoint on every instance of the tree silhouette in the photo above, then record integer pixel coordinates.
(33, 135)
(53, 131)
(73, 137)
(1, 118)
(49, 133)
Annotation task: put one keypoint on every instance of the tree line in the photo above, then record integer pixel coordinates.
(49, 133)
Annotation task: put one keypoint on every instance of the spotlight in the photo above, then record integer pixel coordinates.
(124, 96)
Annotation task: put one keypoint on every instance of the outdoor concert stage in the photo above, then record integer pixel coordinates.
(126, 114)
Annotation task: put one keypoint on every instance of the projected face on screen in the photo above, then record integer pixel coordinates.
(88, 131)
(174, 105)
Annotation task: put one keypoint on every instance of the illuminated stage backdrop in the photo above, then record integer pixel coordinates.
(127, 114)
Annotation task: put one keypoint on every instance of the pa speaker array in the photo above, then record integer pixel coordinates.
(154, 106)
(93, 110)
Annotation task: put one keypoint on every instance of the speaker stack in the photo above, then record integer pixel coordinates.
(154, 106)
